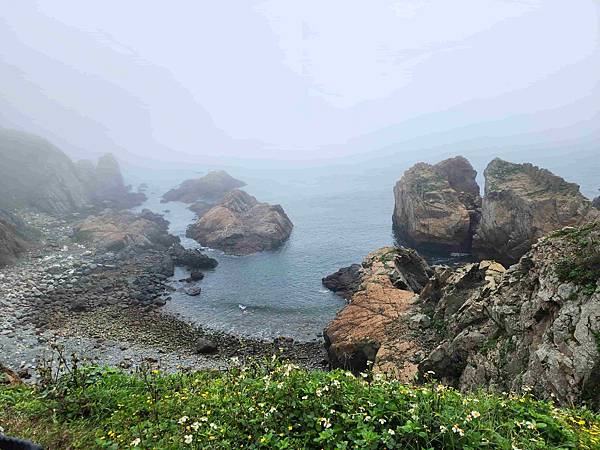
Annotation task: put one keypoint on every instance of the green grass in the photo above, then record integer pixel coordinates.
(273, 405)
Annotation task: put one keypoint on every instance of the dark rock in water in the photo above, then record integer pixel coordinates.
(193, 291)
(204, 346)
(191, 258)
(211, 187)
(240, 225)
(345, 282)
(196, 276)
(437, 206)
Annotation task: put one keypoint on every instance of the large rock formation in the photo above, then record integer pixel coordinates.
(104, 183)
(522, 203)
(36, 174)
(209, 189)
(241, 225)
(533, 326)
(536, 326)
(437, 206)
(596, 203)
(366, 329)
(115, 231)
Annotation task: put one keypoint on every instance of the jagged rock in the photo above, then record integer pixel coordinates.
(37, 175)
(345, 282)
(240, 225)
(211, 188)
(437, 206)
(522, 203)
(191, 258)
(104, 183)
(360, 333)
(118, 230)
(535, 325)
(596, 203)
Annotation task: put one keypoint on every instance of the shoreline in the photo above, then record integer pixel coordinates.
(106, 308)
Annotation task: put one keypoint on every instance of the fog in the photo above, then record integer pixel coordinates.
(341, 81)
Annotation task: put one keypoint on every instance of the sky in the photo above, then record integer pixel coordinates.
(300, 80)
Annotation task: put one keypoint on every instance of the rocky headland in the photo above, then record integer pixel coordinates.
(438, 208)
(241, 225)
(533, 326)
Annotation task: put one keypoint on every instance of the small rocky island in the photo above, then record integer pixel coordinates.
(205, 192)
(241, 225)
(438, 207)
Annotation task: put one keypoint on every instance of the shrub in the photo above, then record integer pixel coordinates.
(272, 405)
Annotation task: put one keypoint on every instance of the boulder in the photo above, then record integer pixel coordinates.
(345, 282)
(522, 203)
(241, 225)
(193, 259)
(204, 346)
(437, 206)
(211, 188)
(596, 203)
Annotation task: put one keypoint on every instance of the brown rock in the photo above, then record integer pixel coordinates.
(522, 203)
(437, 206)
(240, 225)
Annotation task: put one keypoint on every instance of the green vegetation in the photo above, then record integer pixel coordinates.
(274, 405)
(582, 267)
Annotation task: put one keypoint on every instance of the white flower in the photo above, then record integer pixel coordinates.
(188, 438)
(183, 420)
(213, 426)
(305, 397)
(134, 443)
(195, 426)
(458, 430)
(443, 428)
(475, 414)
(391, 432)
(381, 421)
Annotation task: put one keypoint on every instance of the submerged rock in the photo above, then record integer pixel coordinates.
(210, 188)
(241, 225)
(522, 203)
(437, 206)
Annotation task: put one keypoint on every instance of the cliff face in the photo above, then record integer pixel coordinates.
(35, 174)
(210, 189)
(241, 225)
(522, 203)
(537, 327)
(437, 206)
(533, 326)
(104, 183)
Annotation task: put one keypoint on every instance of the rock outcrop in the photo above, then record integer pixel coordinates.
(344, 282)
(367, 329)
(437, 206)
(115, 231)
(596, 203)
(104, 184)
(12, 243)
(209, 189)
(535, 326)
(532, 326)
(35, 174)
(522, 203)
(241, 225)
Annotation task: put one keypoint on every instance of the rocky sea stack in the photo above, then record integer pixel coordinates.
(438, 208)
(241, 225)
(203, 192)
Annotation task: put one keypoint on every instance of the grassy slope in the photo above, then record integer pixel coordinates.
(270, 405)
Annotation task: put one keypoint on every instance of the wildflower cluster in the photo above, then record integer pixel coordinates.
(271, 405)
